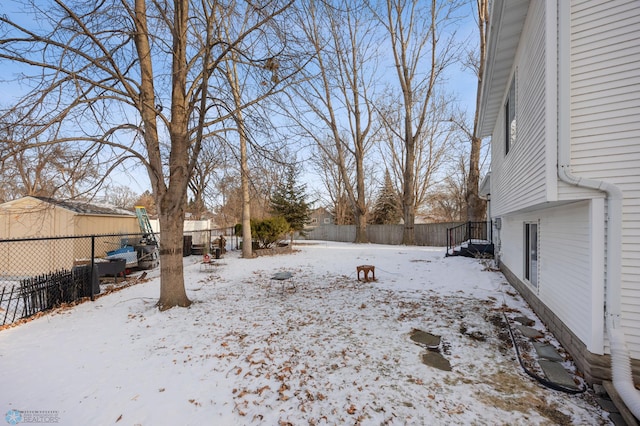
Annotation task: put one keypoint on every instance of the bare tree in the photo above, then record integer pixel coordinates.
(334, 187)
(423, 46)
(447, 202)
(104, 71)
(148, 201)
(432, 149)
(211, 159)
(121, 196)
(265, 174)
(475, 205)
(335, 101)
(42, 170)
(246, 76)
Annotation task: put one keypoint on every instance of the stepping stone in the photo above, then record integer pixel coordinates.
(524, 321)
(529, 332)
(426, 339)
(607, 405)
(617, 419)
(556, 373)
(434, 359)
(547, 351)
(600, 390)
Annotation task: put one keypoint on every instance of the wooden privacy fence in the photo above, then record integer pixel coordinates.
(426, 234)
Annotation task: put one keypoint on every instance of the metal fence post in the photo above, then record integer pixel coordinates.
(93, 263)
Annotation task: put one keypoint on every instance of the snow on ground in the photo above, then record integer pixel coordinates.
(334, 351)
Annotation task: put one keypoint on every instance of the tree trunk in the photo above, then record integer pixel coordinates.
(408, 195)
(171, 199)
(247, 249)
(172, 291)
(475, 205)
(232, 77)
(361, 205)
(361, 229)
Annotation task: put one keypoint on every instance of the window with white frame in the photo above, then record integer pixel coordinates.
(531, 253)
(510, 117)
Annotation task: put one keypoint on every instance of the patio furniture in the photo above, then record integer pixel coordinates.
(365, 269)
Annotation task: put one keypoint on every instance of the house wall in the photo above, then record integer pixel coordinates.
(605, 124)
(319, 217)
(569, 296)
(601, 57)
(594, 367)
(520, 179)
(572, 258)
(570, 266)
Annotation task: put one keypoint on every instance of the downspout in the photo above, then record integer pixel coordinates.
(620, 358)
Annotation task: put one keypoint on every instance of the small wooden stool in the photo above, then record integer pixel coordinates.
(366, 269)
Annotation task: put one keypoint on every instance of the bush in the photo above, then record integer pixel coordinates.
(270, 231)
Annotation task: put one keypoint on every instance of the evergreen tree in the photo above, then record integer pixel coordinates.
(387, 209)
(289, 201)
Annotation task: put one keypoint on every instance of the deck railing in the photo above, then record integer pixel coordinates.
(468, 232)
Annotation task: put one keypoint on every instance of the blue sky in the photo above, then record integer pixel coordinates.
(461, 83)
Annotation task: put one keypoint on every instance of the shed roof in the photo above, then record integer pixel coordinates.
(85, 208)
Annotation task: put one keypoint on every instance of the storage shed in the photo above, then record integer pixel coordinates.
(39, 217)
(46, 217)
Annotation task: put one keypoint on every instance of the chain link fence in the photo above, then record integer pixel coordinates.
(37, 274)
(209, 241)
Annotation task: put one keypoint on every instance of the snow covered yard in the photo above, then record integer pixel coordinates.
(334, 351)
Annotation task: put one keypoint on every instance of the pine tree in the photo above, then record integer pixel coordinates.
(289, 201)
(387, 209)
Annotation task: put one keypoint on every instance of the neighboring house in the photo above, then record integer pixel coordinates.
(34, 217)
(561, 102)
(320, 216)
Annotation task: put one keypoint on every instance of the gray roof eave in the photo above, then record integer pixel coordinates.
(506, 22)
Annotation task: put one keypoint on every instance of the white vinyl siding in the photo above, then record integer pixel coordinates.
(605, 124)
(520, 176)
(571, 266)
